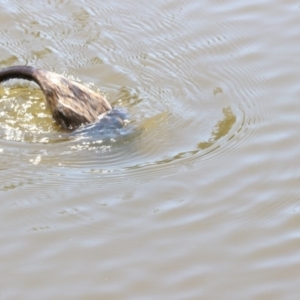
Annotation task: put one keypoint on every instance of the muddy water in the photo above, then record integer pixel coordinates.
(198, 197)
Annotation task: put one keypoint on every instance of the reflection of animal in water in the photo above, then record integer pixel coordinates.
(71, 103)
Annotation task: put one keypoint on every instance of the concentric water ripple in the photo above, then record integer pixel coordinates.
(206, 119)
(150, 139)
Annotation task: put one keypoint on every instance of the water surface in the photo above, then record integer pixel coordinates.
(198, 197)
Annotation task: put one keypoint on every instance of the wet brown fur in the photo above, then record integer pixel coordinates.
(71, 104)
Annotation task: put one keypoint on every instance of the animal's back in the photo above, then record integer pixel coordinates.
(71, 104)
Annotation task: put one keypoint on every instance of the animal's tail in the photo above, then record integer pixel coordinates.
(21, 72)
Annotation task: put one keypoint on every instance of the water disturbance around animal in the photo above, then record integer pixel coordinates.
(26, 119)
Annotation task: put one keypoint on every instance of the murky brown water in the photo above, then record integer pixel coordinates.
(199, 197)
